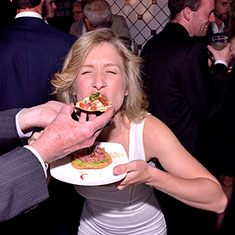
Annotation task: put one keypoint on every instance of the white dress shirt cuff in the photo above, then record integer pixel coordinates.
(44, 165)
(19, 131)
(221, 62)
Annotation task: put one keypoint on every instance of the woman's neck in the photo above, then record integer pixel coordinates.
(117, 131)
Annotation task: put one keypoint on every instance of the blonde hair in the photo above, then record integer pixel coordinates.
(135, 103)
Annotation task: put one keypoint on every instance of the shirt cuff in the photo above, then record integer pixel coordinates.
(19, 131)
(44, 165)
(221, 62)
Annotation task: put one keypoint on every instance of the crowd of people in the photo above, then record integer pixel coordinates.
(172, 111)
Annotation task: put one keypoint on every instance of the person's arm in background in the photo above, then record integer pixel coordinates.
(22, 178)
(205, 90)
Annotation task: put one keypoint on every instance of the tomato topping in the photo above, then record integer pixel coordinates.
(81, 105)
(93, 107)
(103, 100)
(86, 106)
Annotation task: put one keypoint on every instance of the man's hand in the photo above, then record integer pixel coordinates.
(39, 116)
(65, 135)
(224, 54)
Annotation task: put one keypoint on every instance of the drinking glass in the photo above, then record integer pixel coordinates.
(219, 42)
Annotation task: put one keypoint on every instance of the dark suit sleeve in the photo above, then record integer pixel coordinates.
(22, 182)
(145, 68)
(204, 89)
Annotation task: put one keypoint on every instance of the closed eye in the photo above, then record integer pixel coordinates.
(112, 72)
(85, 72)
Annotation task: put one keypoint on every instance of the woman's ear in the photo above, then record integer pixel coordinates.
(127, 92)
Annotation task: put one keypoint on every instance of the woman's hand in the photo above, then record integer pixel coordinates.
(138, 171)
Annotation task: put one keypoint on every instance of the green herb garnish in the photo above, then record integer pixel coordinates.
(94, 97)
(89, 163)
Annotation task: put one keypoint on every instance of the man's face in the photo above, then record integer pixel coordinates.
(77, 12)
(50, 8)
(222, 9)
(202, 18)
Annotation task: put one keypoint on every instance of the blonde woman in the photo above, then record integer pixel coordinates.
(99, 62)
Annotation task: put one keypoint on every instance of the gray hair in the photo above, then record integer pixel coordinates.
(98, 12)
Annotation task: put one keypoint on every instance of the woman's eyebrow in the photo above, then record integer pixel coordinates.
(87, 66)
(113, 65)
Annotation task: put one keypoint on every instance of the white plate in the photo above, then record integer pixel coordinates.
(64, 171)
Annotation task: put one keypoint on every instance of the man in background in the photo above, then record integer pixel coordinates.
(98, 15)
(48, 10)
(30, 53)
(185, 93)
(221, 12)
(77, 11)
(118, 23)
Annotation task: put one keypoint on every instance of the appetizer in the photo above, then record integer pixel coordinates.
(91, 158)
(93, 103)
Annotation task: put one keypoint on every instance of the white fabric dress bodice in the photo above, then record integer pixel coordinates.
(132, 211)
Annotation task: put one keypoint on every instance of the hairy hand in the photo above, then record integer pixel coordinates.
(65, 135)
(39, 116)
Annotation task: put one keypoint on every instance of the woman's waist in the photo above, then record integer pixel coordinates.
(135, 217)
(115, 208)
(129, 198)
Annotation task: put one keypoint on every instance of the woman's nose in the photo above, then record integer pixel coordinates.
(99, 81)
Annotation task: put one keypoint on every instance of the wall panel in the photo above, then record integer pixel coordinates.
(144, 17)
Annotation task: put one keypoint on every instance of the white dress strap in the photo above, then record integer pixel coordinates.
(136, 144)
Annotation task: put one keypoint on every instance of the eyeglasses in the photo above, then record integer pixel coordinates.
(78, 12)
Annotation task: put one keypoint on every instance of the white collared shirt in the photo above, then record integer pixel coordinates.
(26, 135)
(215, 28)
(28, 14)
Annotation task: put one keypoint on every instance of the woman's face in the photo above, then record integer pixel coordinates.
(102, 71)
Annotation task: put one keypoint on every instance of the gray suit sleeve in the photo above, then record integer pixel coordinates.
(8, 132)
(22, 179)
(22, 182)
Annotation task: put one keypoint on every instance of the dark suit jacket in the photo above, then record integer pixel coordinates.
(183, 93)
(30, 53)
(22, 179)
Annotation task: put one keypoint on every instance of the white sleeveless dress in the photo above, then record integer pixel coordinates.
(132, 211)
